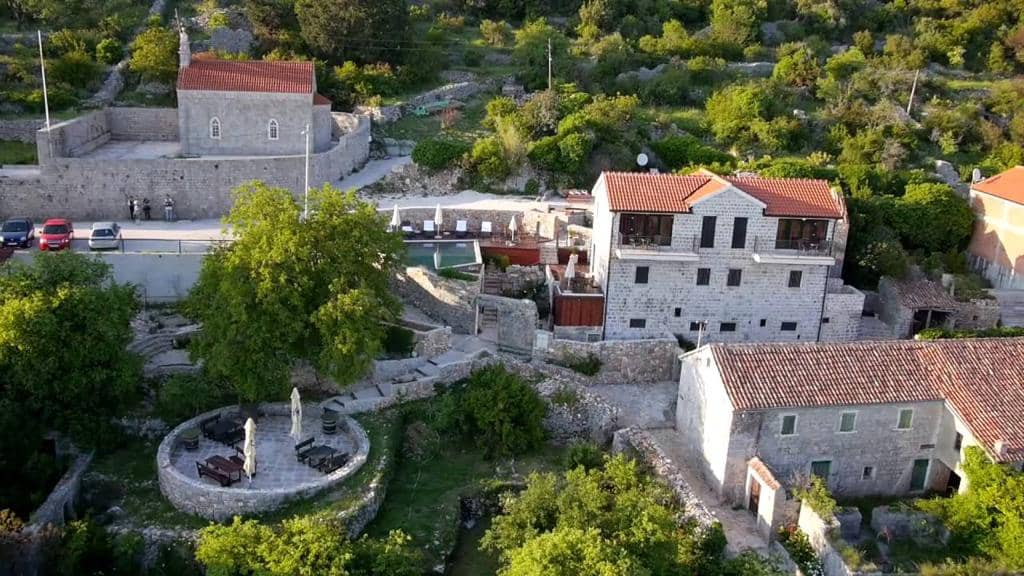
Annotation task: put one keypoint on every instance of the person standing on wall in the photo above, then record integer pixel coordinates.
(145, 209)
(131, 208)
(168, 209)
(136, 213)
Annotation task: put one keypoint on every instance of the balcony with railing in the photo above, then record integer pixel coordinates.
(656, 247)
(793, 251)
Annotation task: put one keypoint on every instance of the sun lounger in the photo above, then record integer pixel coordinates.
(408, 230)
(461, 229)
(485, 229)
(428, 229)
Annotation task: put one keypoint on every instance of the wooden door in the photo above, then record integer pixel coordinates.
(755, 497)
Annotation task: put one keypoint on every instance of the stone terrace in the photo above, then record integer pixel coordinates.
(276, 466)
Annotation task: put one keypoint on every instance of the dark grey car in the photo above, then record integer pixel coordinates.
(18, 232)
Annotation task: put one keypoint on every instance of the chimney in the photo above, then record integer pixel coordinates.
(1001, 450)
(184, 53)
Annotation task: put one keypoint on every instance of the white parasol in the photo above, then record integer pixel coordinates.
(396, 219)
(296, 431)
(512, 227)
(249, 450)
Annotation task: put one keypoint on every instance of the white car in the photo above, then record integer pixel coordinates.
(105, 236)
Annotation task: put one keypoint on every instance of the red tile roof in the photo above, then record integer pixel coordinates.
(644, 192)
(764, 473)
(1008, 185)
(981, 379)
(247, 76)
(320, 100)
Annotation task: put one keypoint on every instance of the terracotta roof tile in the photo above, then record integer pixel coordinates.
(247, 76)
(764, 473)
(320, 100)
(924, 293)
(644, 192)
(982, 379)
(1008, 185)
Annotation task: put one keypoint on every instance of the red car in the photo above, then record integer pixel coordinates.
(56, 235)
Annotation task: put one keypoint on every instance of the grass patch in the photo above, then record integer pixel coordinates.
(969, 84)
(467, 126)
(13, 152)
(454, 274)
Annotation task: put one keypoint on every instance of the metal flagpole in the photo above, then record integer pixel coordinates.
(42, 68)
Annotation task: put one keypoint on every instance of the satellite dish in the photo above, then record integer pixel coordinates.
(641, 159)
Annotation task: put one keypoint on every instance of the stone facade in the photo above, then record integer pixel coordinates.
(244, 118)
(997, 246)
(95, 189)
(724, 440)
(841, 318)
(654, 291)
(21, 129)
(516, 321)
(897, 312)
(195, 496)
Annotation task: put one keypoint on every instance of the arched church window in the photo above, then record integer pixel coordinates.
(215, 128)
(272, 129)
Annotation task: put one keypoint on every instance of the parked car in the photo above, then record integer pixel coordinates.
(17, 232)
(56, 235)
(105, 236)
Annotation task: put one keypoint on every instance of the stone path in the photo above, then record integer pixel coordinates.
(739, 525)
(373, 171)
(641, 405)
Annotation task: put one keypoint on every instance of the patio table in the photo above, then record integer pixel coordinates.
(232, 469)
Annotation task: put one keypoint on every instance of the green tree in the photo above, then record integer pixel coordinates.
(155, 54)
(531, 52)
(570, 552)
(360, 30)
(737, 21)
(289, 290)
(797, 66)
(75, 69)
(109, 51)
(504, 414)
(496, 34)
(933, 217)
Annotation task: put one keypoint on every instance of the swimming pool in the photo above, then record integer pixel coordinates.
(443, 254)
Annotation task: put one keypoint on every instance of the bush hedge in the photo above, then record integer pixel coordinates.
(438, 153)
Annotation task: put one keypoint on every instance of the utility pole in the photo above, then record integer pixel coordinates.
(42, 69)
(549, 64)
(913, 88)
(305, 190)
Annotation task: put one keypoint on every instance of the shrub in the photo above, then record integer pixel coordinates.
(816, 495)
(438, 153)
(584, 454)
(183, 396)
(499, 261)
(488, 159)
(565, 396)
(219, 20)
(588, 365)
(933, 217)
(75, 69)
(472, 56)
(998, 332)
(504, 414)
(496, 34)
(679, 151)
(456, 274)
(799, 548)
(109, 51)
(399, 342)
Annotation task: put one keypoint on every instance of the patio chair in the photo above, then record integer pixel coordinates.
(234, 436)
(302, 449)
(461, 229)
(428, 229)
(485, 229)
(407, 229)
(205, 423)
(333, 462)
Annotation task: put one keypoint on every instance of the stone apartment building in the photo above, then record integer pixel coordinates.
(746, 259)
(997, 246)
(872, 418)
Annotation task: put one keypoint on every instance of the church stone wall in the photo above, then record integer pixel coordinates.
(143, 123)
(88, 189)
(244, 118)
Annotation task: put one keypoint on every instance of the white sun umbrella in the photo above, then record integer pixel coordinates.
(396, 219)
(437, 219)
(296, 432)
(437, 257)
(512, 227)
(570, 268)
(249, 449)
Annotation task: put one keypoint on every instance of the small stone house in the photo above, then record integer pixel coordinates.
(910, 306)
(248, 107)
(721, 259)
(997, 246)
(871, 418)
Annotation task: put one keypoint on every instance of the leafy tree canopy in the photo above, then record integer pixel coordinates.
(155, 54)
(359, 30)
(288, 290)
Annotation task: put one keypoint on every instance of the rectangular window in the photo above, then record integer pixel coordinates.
(764, 322)
(677, 312)
(645, 229)
(788, 327)
(906, 419)
(703, 276)
(821, 468)
(801, 234)
(958, 442)
(637, 322)
(788, 425)
(824, 320)
(707, 232)
(735, 277)
(919, 474)
(739, 233)
(868, 473)
(847, 421)
(727, 327)
(642, 272)
(795, 277)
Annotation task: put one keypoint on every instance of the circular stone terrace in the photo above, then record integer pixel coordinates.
(279, 476)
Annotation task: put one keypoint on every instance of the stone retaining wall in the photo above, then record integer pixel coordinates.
(622, 361)
(445, 300)
(638, 442)
(21, 129)
(218, 503)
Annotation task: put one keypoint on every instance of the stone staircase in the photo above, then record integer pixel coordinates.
(373, 396)
(150, 345)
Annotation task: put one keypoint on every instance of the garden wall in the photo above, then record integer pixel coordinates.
(445, 300)
(622, 361)
(21, 129)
